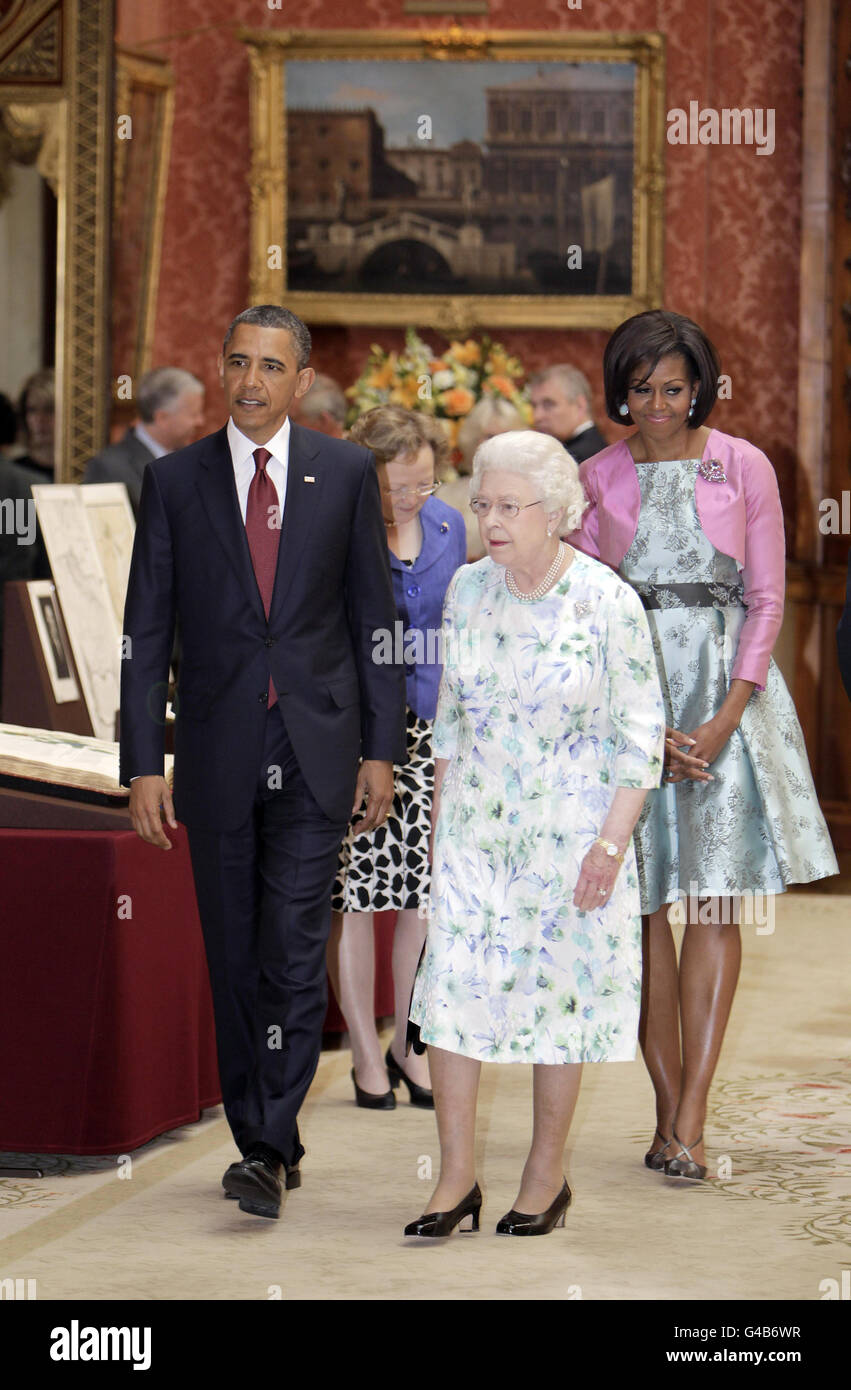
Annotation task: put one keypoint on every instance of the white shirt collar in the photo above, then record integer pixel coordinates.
(586, 425)
(148, 440)
(242, 448)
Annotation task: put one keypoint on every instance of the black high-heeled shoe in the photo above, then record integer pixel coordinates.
(684, 1166)
(434, 1224)
(420, 1095)
(657, 1160)
(368, 1100)
(517, 1223)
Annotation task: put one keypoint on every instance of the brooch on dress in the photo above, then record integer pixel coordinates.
(712, 470)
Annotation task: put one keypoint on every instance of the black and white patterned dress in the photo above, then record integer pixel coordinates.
(387, 869)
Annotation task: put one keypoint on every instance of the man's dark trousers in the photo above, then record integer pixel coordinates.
(264, 895)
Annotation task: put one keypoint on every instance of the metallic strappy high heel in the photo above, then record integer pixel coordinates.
(677, 1168)
(657, 1160)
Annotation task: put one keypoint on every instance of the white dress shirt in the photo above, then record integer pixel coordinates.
(244, 468)
(148, 440)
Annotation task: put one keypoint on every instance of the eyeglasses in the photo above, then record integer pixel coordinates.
(423, 490)
(506, 509)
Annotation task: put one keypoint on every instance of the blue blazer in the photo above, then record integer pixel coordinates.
(420, 589)
(191, 561)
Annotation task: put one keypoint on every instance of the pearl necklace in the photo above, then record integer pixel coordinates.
(545, 584)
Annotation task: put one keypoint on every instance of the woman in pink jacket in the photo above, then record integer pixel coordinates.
(691, 518)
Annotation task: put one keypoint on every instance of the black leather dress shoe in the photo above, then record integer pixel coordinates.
(291, 1182)
(255, 1182)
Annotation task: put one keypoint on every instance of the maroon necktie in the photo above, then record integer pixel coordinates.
(263, 529)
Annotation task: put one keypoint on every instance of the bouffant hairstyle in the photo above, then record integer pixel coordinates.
(544, 461)
(641, 341)
(391, 431)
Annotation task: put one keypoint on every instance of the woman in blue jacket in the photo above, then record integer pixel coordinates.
(388, 868)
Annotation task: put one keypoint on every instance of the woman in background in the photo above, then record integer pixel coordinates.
(691, 518)
(388, 868)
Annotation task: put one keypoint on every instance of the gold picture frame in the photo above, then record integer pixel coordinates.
(453, 312)
(144, 95)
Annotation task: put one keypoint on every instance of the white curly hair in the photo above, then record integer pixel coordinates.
(551, 470)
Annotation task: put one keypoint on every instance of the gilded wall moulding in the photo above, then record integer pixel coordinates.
(31, 37)
(80, 149)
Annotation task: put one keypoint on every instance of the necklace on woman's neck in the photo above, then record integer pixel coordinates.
(545, 584)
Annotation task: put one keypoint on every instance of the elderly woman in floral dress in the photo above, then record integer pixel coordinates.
(549, 731)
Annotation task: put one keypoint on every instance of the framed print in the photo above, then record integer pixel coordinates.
(86, 603)
(459, 180)
(54, 640)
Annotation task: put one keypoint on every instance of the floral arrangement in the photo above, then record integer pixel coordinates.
(447, 386)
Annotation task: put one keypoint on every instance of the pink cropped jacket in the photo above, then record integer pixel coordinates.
(741, 516)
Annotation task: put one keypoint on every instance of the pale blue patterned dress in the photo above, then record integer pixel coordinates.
(545, 709)
(757, 827)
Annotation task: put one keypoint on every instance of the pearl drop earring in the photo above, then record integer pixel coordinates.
(623, 408)
(691, 408)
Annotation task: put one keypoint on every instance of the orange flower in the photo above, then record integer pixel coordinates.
(437, 364)
(467, 354)
(382, 377)
(405, 392)
(458, 401)
(503, 384)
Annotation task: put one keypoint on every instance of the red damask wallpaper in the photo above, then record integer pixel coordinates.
(732, 237)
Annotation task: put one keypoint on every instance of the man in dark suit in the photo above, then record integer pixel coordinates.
(171, 412)
(560, 397)
(266, 540)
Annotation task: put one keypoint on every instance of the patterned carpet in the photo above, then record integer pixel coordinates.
(773, 1221)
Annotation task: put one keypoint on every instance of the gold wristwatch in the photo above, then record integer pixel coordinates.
(611, 849)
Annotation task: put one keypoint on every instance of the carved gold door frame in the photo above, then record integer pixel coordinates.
(56, 59)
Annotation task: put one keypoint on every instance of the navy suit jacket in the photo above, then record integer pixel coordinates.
(332, 592)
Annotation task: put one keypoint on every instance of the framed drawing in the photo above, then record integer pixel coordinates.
(54, 640)
(86, 602)
(457, 179)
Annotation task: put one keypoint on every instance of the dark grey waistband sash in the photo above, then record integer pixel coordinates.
(689, 595)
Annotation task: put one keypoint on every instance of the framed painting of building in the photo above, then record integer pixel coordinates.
(457, 179)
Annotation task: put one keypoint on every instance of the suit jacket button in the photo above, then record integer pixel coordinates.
(270, 641)
(264, 697)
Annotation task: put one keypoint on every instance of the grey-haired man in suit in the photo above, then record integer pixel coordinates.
(171, 413)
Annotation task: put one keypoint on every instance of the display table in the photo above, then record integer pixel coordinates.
(106, 1024)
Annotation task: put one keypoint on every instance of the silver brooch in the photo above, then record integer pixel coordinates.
(712, 470)
(581, 609)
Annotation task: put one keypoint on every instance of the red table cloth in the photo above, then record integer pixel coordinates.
(106, 1024)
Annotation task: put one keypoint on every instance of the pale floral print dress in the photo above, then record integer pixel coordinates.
(545, 709)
